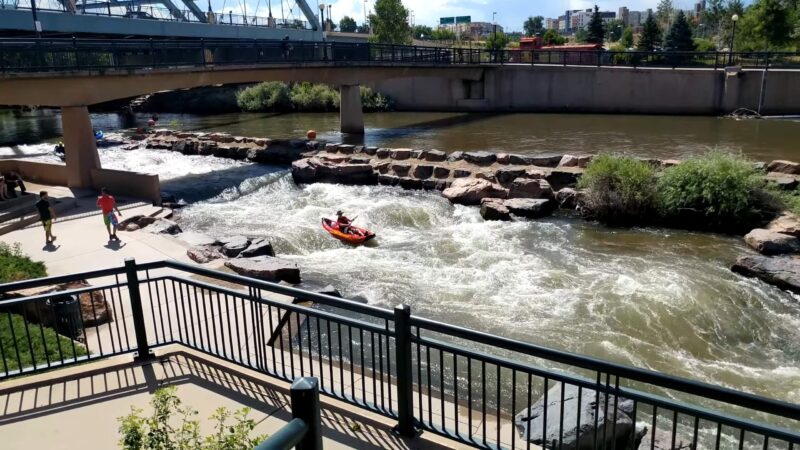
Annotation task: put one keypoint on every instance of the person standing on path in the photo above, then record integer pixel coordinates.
(47, 216)
(108, 205)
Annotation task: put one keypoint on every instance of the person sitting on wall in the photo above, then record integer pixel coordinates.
(13, 181)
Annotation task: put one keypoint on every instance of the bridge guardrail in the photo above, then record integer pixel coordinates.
(60, 55)
(466, 385)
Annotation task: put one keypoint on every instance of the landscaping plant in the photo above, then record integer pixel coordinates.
(620, 190)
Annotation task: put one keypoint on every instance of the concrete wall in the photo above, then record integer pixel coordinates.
(139, 185)
(599, 90)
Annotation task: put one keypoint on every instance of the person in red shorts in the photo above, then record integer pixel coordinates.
(108, 205)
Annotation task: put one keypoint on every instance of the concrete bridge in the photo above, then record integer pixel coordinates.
(74, 74)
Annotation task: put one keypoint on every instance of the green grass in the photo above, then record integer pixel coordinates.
(620, 189)
(43, 348)
(14, 266)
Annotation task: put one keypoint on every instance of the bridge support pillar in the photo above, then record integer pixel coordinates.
(80, 146)
(351, 116)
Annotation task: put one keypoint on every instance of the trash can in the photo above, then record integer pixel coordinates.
(67, 312)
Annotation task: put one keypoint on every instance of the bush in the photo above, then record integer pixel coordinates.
(374, 101)
(158, 431)
(14, 266)
(721, 189)
(620, 189)
(309, 97)
(267, 96)
(18, 335)
(704, 45)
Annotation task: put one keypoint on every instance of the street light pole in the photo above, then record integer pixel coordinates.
(322, 17)
(734, 18)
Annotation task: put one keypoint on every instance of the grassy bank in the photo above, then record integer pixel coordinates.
(25, 343)
(716, 191)
(276, 96)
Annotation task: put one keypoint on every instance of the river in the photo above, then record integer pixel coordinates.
(654, 298)
(647, 136)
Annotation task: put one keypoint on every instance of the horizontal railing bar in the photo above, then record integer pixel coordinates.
(699, 388)
(287, 437)
(58, 279)
(285, 290)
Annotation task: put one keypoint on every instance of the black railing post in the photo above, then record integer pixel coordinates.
(405, 388)
(137, 312)
(305, 406)
(203, 50)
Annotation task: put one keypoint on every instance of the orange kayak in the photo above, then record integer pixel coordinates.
(354, 235)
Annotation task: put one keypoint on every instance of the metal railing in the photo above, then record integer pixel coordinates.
(58, 55)
(304, 430)
(479, 389)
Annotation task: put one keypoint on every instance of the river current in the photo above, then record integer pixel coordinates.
(654, 298)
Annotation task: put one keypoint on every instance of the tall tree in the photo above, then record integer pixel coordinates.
(422, 32)
(679, 37)
(553, 37)
(664, 12)
(533, 26)
(347, 25)
(651, 35)
(614, 30)
(627, 38)
(595, 32)
(497, 41)
(390, 22)
(713, 16)
(766, 25)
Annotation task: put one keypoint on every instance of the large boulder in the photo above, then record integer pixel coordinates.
(470, 191)
(596, 421)
(163, 226)
(423, 171)
(567, 198)
(441, 172)
(494, 209)
(316, 289)
(234, 245)
(481, 158)
(266, 268)
(509, 174)
(575, 161)
(202, 254)
(259, 247)
(401, 153)
(532, 208)
(433, 155)
(786, 223)
(546, 160)
(560, 179)
(318, 170)
(530, 188)
(662, 440)
(784, 166)
(782, 181)
(772, 243)
(780, 271)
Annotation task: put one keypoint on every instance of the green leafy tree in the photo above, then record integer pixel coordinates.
(347, 25)
(363, 29)
(679, 37)
(497, 41)
(614, 30)
(533, 26)
(443, 34)
(650, 38)
(766, 25)
(595, 32)
(664, 12)
(713, 16)
(553, 37)
(422, 32)
(390, 22)
(627, 38)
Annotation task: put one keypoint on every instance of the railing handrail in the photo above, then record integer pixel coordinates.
(658, 379)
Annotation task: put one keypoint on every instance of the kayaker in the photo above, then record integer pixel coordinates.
(343, 222)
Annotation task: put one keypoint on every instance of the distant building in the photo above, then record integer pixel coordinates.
(473, 30)
(624, 15)
(579, 20)
(551, 24)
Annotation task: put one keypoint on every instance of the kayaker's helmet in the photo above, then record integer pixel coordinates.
(339, 213)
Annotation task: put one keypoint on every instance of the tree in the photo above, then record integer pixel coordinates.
(390, 22)
(443, 34)
(553, 37)
(679, 37)
(595, 32)
(651, 35)
(766, 25)
(497, 41)
(627, 38)
(347, 25)
(614, 30)
(581, 36)
(422, 32)
(363, 29)
(714, 15)
(533, 26)
(664, 12)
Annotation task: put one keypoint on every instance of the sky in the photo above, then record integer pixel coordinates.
(510, 13)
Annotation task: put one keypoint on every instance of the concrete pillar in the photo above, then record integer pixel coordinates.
(80, 146)
(351, 116)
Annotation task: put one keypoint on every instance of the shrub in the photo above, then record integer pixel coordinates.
(309, 97)
(721, 189)
(372, 101)
(158, 432)
(14, 266)
(267, 96)
(620, 189)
